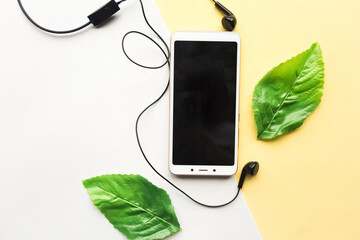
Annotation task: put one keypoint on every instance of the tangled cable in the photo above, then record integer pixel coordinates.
(162, 94)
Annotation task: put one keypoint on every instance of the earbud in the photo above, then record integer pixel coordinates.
(229, 21)
(250, 167)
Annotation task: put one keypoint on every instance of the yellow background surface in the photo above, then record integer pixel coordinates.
(308, 186)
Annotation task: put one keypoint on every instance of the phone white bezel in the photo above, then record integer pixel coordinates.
(206, 170)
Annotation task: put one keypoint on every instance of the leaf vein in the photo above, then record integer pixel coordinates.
(298, 76)
(139, 207)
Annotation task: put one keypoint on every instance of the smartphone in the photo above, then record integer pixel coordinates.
(204, 103)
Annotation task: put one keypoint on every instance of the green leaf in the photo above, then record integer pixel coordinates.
(287, 94)
(135, 206)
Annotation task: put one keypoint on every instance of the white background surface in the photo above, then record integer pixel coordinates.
(68, 107)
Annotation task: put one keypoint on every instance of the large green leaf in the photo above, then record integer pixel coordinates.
(287, 94)
(135, 206)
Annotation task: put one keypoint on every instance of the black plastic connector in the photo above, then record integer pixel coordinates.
(104, 13)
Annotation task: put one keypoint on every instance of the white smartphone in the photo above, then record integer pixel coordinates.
(204, 103)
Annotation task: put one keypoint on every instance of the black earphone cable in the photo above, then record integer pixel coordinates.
(49, 30)
(162, 94)
(167, 62)
(55, 31)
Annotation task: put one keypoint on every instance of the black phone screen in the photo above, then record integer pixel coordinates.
(204, 102)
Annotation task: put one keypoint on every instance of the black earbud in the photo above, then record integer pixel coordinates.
(250, 167)
(229, 21)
